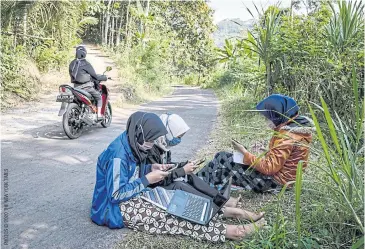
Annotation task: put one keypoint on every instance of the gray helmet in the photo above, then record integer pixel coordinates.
(81, 52)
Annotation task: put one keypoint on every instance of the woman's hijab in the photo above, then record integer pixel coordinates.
(143, 127)
(175, 126)
(279, 109)
(162, 144)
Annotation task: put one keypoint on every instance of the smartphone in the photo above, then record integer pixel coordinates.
(171, 169)
(236, 141)
(200, 161)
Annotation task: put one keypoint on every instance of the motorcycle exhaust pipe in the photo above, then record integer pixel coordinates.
(87, 120)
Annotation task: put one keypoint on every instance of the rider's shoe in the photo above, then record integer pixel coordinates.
(100, 116)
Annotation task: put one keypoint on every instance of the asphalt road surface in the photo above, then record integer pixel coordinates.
(51, 178)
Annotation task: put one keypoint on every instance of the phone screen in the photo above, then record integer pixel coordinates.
(171, 169)
(236, 141)
(200, 161)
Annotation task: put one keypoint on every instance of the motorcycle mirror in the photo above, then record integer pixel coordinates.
(108, 68)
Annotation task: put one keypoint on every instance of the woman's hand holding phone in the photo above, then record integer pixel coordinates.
(190, 167)
(162, 167)
(172, 167)
(238, 147)
(156, 176)
(193, 165)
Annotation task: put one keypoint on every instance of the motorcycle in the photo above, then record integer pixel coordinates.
(79, 109)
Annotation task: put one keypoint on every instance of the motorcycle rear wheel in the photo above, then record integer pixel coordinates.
(72, 124)
(107, 116)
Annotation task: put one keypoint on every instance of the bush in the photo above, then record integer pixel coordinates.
(48, 57)
(242, 76)
(328, 210)
(191, 80)
(145, 69)
(19, 76)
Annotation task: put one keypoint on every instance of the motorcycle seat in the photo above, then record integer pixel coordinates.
(83, 92)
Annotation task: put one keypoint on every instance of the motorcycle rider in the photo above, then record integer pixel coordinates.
(82, 73)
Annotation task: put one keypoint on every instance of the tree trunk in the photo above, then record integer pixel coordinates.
(101, 24)
(106, 26)
(25, 19)
(102, 28)
(111, 33)
(145, 31)
(16, 31)
(140, 21)
(148, 7)
(129, 35)
(127, 23)
(119, 30)
(115, 22)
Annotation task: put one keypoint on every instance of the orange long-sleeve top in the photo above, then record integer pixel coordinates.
(287, 148)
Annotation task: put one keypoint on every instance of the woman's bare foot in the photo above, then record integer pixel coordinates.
(233, 202)
(238, 213)
(238, 232)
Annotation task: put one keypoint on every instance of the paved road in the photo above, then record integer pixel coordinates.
(51, 178)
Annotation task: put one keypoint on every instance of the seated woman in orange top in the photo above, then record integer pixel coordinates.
(288, 146)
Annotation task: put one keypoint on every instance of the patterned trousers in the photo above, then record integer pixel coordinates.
(221, 168)
(141, 215)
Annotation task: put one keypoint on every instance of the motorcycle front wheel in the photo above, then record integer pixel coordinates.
(107, 116)
(72, 124)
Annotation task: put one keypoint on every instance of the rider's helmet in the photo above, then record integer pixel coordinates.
(81, 52)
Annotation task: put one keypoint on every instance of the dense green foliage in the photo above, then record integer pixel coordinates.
(305, 56)
(318, 59)
(39, 33)
(45, 30)
(15, 77)
(154, 42)
(328, 209)
(157, 43)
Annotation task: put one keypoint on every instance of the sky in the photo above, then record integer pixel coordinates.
(236, 8)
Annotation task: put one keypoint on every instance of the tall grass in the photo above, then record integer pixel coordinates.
(341, 171)
(298, 192)
(325, 210)
(343, 150)
(346, 24)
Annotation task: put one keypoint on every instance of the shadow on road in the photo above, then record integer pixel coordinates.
(55, 131)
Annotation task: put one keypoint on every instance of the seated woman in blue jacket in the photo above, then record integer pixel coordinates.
(122, 175)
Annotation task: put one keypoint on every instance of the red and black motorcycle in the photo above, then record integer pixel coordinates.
(79, 109)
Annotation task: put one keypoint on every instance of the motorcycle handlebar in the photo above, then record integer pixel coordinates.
(102, 77)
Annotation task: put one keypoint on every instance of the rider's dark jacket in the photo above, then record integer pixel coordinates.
(82, 72)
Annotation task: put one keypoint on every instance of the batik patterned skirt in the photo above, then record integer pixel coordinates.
(141, 215)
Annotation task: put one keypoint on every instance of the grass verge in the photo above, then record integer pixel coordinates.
(219, 140)
(309, 217)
